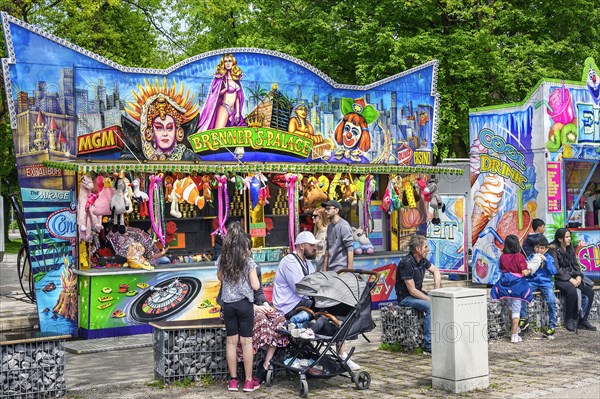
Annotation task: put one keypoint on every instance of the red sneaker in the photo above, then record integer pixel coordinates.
(233, 385)
(251, 385)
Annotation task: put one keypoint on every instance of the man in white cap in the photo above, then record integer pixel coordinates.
(293, 268)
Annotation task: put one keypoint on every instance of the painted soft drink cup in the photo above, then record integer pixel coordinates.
(562, 106)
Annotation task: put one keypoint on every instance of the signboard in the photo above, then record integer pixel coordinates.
(554, 170)
(447, 240)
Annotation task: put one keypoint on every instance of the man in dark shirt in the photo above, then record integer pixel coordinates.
(409, 282)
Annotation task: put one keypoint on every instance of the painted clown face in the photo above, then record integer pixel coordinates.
(351, 135)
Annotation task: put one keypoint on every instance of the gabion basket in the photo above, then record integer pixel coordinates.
(189, 353)
(402, 325)
(32, 370)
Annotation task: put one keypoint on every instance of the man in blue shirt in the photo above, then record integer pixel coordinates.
(409, 283)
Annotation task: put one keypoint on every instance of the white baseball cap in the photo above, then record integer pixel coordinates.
(306, 237)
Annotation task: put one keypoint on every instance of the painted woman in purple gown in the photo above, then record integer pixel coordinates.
(225, 98)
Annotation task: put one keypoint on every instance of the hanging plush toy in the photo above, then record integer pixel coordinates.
(435, 201)
(206, 188)
(175, 200)
(254, 190)
(128, 193)
(86, 221)
(312, 196)
(102, 205)
(118, 206)
(410, 197)
(186, 190)
(140, 197)
(168, 187)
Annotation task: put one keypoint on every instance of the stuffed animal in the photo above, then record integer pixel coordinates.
(206, 190)
(425, 193)
(102, 205)
(135, 257)
(410, 197)
(118, 206)
(171, 230)
(312, 196)
(435, 202)
(86, 221)
(168, 187)
(128, 193)
(186, 190)
(140, 197)
(175, 212)
(362, 244)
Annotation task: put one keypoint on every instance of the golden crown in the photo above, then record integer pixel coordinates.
(255, 119)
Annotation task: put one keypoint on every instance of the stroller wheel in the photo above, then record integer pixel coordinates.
(363, 380)
(269, 376)
(303, 391)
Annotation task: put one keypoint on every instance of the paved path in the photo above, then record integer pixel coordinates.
(566, 367)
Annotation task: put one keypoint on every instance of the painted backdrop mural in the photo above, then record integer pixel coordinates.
(67, 103)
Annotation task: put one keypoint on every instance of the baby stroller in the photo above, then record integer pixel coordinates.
(345, 298)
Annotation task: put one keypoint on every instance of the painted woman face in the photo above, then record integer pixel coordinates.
(164, 133)
(351, 135)
(228, 63)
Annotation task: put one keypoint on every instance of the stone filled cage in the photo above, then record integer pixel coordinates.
(32, 370)
(189, 353)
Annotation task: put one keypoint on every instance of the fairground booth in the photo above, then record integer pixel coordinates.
(537, 159)
(129, 176)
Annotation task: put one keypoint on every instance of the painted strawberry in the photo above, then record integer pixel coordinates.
(481, 268)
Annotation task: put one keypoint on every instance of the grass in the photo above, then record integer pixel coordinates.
(208, 380)
(390, 347)
(156, 384)
(493, 386)
(12, 246)
(186, 382)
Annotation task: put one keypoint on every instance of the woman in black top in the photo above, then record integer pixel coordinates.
(568, 279)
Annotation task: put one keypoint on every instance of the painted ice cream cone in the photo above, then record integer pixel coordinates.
(475, 159)
(486, 203)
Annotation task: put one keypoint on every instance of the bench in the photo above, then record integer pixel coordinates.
(404, 326)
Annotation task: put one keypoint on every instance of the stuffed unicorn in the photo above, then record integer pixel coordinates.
(118, 206)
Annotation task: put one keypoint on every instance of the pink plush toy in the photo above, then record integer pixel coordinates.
(102, 205)
(86, 221)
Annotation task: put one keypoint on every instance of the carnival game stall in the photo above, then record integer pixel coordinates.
(537, 159)
(129, 176)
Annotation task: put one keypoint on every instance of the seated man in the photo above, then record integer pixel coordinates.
(293, 268)
(541, 280)
(409, 282)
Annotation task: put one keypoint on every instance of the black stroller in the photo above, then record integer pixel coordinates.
(345, 299)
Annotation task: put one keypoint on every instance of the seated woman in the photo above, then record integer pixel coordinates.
(569, 279)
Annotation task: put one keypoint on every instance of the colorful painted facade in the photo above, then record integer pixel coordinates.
(68, 104)
(536, 159)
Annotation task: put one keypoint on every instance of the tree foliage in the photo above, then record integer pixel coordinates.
(490, 51)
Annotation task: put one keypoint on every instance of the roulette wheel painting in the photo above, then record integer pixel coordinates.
(165, 299)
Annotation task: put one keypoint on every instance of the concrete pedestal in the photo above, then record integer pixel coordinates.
(459, 339)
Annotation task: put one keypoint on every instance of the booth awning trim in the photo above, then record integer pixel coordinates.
(207, 167)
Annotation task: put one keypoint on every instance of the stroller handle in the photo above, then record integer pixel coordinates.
(360, 271)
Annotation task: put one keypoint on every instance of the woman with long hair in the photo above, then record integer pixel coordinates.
(237, 272)
(320, 221)
(512, 284)
(569, 279)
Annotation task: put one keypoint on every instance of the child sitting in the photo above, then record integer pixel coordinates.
(541, 280)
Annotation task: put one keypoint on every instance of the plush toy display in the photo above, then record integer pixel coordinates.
(118, 206)
(102, 205)
(435, 201)
(86, 221)
(312, 196)
(174, 199)
(362, 244)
